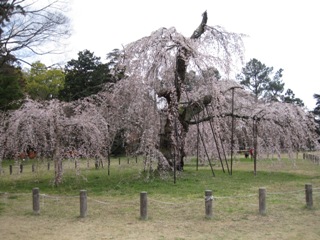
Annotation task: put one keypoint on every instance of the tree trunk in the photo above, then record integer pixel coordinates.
(172, 140)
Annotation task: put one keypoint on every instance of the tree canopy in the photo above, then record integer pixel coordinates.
(84, 76)
(43, 83)
(11, 87)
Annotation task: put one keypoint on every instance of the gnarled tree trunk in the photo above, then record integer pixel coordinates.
(172, 141)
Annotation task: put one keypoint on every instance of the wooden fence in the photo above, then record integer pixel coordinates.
(208, 202)
(314, 158)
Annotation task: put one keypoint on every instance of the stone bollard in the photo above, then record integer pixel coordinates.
(262, 201)
(309, 200)
(36, 200)
(208, 203)
(83, 203)
(143, 206)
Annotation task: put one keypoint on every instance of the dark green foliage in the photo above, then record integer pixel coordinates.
(11, 87)
(84, 76)
(255, 77)
(289, 97)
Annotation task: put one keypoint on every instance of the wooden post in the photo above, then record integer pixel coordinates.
(36, 200)
(309, 200)
(262, 201)
(143, 206)
(83, 203)
(21, 168)
(32, 167)
(10, 169)
(48, 166)
(128, 161)
(208, 203)
(119, 161)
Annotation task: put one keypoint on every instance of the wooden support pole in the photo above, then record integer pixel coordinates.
(208, 203)
(309, 200)
(143, 206)
(83, 203)
(21, 168)
(36, 200)
(262, 201)
(48, 166)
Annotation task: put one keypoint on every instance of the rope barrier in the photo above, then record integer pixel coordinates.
(206, 198)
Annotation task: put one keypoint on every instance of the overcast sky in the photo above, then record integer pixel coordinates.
(282, 34)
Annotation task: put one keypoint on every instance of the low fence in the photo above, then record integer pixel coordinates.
(19, 167)
(314, 158)
(208, 201)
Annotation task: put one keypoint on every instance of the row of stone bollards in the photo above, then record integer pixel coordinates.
(144, 202)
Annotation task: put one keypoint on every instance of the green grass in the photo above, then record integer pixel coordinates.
(175, 210)
(130, 179)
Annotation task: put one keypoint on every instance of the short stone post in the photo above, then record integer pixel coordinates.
(10, 169)
(36, 200)
(262, 201)
(309, 200)
(208, 203)
(143, 206)
(83, 203)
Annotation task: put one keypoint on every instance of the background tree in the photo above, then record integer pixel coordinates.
(116, 69)
(84, 76)
(12, 86)
(289, 97)
(275, 87)
(43, 83)
(27, 27)
(255, 77)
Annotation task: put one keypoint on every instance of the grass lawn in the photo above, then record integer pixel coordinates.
(175, 210)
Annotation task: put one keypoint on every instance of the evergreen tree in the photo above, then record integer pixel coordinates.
(289, 97)
(84, 76)
(255, 77)
(11, 85)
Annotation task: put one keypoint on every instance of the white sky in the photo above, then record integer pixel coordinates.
(282, 34)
